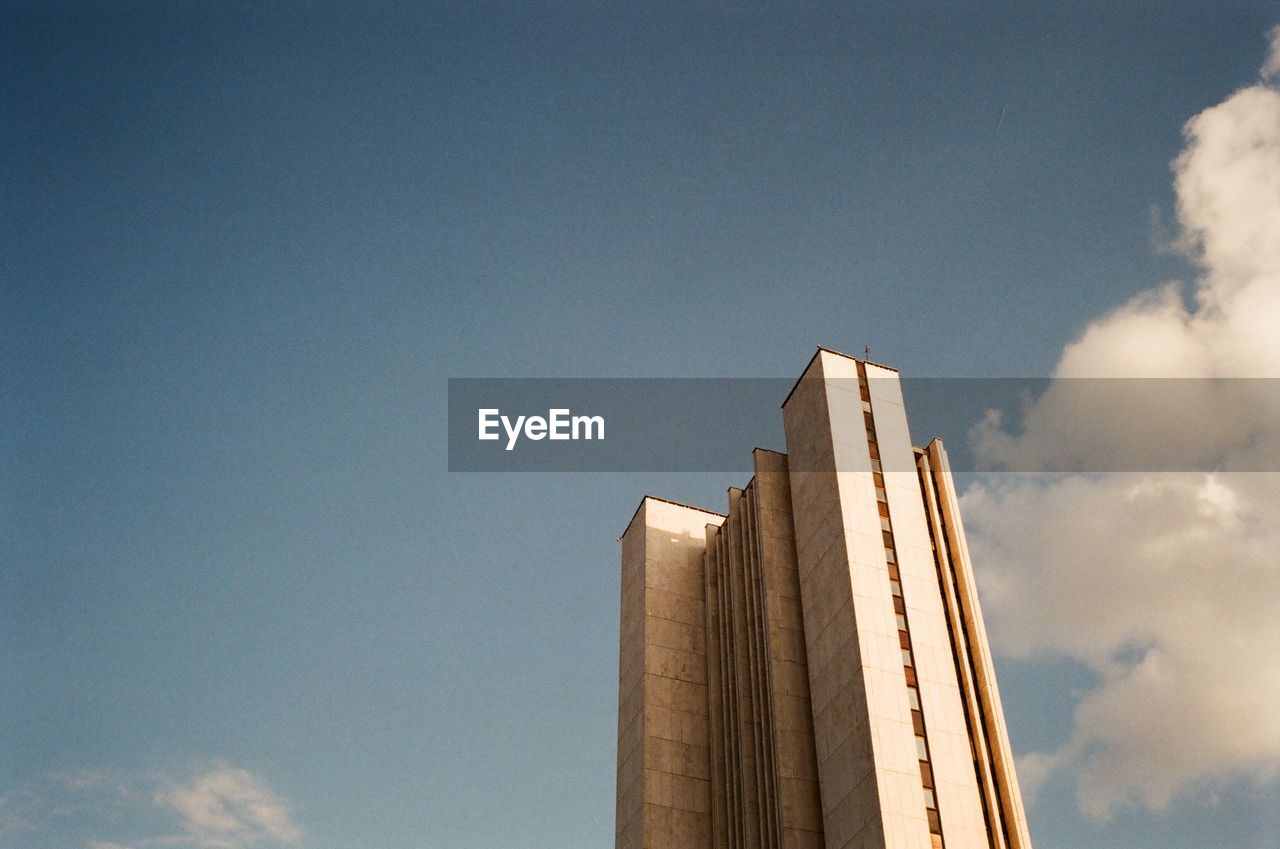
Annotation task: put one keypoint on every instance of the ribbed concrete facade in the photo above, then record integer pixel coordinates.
(811, 669)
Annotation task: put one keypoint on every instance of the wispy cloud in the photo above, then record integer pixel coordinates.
(53, 798)
(1271, 67)
(229, 808)
(1166, 586)
(221, 807)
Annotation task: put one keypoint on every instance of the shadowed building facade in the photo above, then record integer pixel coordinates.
(811, 670)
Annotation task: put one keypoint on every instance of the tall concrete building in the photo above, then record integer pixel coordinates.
(811, 670)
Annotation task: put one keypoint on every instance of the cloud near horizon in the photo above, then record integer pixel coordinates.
(1166, 586)
(222, 807)
(229, 808)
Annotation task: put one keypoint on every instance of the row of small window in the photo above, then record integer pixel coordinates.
(926, 780)
(886, 526)
(917, 714)
(917, 720)
(900, 614)
(926, 771)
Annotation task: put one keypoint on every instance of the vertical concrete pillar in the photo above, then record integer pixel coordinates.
(664, 757)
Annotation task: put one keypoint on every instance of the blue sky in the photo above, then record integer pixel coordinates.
(245, 247)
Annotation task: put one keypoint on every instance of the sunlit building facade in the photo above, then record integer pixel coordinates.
(811, 669)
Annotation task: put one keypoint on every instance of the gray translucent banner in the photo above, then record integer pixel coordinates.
(987, 424)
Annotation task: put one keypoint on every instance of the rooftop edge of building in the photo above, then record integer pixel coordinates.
(647, 497)
(833, 351)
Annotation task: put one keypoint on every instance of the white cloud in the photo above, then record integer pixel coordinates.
(229, 808)
(1165, 585)
(221, 808)
(1271, 67)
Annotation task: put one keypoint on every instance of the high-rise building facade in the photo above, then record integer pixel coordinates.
(811, 670)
